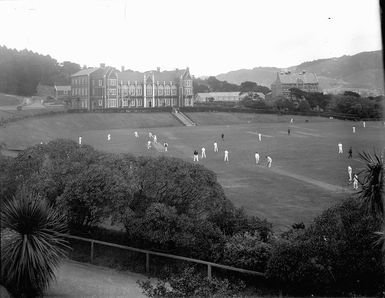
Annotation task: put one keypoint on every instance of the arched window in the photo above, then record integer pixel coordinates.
(138, 90)
(167, 90)
(132, 90)
(173, 90)
(149, 90)
(160, 90)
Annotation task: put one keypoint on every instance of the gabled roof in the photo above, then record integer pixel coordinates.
(84, 72)
(159, 76)
(131, 76)
(293, 78)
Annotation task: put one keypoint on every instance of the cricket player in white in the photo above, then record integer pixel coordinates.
(203, 152)
(226, 156)
(269, 161)
(215, 147)
(291, 120)
(155, 139)
(108, 137)
(340, 151)
(80, 140)
(355, 182)
(260, 137)
(150, 134)
(196, 158)
(256, 158)
(136, 134)
(354, 129)
(148, 144)
(364, 124)
(165, 147)
(350, 173)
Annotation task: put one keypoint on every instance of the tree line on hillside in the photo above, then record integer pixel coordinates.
(22, 71)
(212, 84)
(174, 206)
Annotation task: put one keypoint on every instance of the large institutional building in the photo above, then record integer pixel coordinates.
(304, 81)
(105, 88)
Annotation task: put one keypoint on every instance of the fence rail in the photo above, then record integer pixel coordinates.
(148, 253)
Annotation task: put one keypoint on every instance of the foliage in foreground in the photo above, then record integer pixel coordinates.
(191, 283)
(336, 255)
(31, 249)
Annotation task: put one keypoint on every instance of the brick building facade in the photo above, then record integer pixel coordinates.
(106, 87)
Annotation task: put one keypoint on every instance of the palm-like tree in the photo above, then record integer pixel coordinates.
(31, 247)
(372, 185)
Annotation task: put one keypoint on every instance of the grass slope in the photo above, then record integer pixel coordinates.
(9, 100)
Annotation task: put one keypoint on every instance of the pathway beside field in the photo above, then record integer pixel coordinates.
(75, 279)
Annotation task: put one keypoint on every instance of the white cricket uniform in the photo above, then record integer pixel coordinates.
(155, 138)
(80, 140)
(196, 157)
(203, 152)
(354, 129)
(108, 137)
(136, 134)
(350, 173)
(150, 134)
(148, 144)
(291, 120)
(215, 147)
(165, 147)
(260, 137)
(256, 158)
(364, 124)
(340, 148)
(355, 182)
(226, 156)
(269, 161)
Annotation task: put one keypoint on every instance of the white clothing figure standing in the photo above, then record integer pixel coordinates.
(196, 158)
(355, 182)
(354, 129)
(269, 161)
(136, 134)
(340, 151)
(364, 124)
(291, 120)
(260, 137)
(80, 140)
(148, 144)
(150, 134)
(41, 143)
(203, 152)
(155, 139)
(350, 173)
(108, 137)
(226, 156)
(165, 147)
(215, 147)
(256, 157)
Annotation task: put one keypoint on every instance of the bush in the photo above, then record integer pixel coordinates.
(247, 251)
(334, 255)
(191, 283)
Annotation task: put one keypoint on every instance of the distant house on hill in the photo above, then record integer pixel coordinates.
(253, 95)
(62, 92)
(304, 81)
(217, 96)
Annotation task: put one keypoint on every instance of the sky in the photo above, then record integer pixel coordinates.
(208, 36)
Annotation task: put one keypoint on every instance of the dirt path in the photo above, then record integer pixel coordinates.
(75, 279)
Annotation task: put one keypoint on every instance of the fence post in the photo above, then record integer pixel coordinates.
(92, 251)
(208, 271)
(147, 262)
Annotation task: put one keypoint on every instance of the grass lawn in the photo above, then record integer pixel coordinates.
(9, 100)
(307, 174)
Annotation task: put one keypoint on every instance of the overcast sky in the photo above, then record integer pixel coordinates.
(209, 36)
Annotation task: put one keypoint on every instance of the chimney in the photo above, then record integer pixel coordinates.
(158, 69)
(102, 65)
(122, 68)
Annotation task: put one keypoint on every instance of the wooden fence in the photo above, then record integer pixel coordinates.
(148, 253)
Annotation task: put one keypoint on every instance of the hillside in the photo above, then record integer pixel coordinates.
(362, 72)
(9, 100)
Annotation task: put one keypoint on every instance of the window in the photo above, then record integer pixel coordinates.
(100, 102)
(188, 83)
(138, 91)
(125, 90)
(167, 90)
(111, 91)
(132, 90)
(125, 102)
(140, 103)
(100, 83)
(149, 90)
(173, 90)
(112, 82)
(85, 91)
(160, 90)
